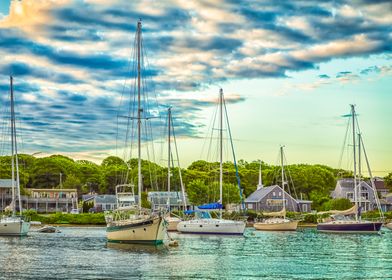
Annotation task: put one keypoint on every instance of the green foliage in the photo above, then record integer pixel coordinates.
(388, 181)
(60, 218)
(145, 202)
(337, 204)
(310, 218)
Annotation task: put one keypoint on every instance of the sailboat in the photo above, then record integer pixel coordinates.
(278, 220)
(204, 223)
(134, 224)
(342, 221)
(14, 225)
(170, 218)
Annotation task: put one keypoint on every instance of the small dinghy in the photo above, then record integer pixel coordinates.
(48, 229)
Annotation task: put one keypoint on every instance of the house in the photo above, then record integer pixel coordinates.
(108, 202)
(160, 200)
(50, 200)
(345, 189)
(5, 193)
(269, 199)
(105, 202)
(381, 188)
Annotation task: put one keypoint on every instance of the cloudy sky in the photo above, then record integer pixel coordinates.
(289, 70)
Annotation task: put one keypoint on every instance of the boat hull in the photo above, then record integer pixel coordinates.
(172, 223)
(14, 227)
(353, 227)
(212, 226)
(283, 225)
(148, 231)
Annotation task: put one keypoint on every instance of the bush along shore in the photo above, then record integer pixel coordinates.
(64, 219)
(252, 216)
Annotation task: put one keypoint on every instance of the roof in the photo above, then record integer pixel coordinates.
(106, 198)
(52, 190)
(259, 194)
(348, 183)
(380, 185)
(6, 183)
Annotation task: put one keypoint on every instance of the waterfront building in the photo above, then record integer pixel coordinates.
(269, 199)
(50, 200)
(345, 189)
(160, 200)
(5, 193)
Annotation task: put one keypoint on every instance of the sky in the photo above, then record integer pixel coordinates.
(289, 70)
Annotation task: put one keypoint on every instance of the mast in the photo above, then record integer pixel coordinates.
(260, 185)
(355, 161)
(12, 147)
(169, 154)
(359, 173)
(139, 110)
(15, 163)
(283, 194)
(221, 150)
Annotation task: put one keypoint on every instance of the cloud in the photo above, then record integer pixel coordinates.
(74, 66)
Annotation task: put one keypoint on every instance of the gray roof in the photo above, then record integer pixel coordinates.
(348, 183)
(258, 195)
(106, 198)
(6, 183)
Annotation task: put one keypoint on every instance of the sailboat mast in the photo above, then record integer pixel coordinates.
(12, 147)
(359, 173)
(221, 150)
(283, 193)
(139, 163)
(355, 160)
(168, 151)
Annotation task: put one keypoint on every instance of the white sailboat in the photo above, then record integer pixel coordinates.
(14, 225)
(203, 223)
(134, 224)
(342, 221)
(278, 220)
(170, 218)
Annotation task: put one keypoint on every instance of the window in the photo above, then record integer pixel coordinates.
(250, 206)
(350, 195)
(365, 195)
(304, 208)
(273, 193)
(280, 193)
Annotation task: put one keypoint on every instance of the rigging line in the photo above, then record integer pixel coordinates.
(234, 158)
(344, 143)
(122, 94)
(179, 167)
(292, 182)
(208, 131)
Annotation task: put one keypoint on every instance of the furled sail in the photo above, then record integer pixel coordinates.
(280, 213)
(351, 211)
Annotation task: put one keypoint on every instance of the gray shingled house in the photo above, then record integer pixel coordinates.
(269, 199)
(345, 189)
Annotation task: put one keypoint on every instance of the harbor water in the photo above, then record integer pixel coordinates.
(82, 253)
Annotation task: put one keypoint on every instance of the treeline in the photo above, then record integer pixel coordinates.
(313, 182)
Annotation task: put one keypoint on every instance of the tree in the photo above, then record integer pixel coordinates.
(337, 204)
(388, 181)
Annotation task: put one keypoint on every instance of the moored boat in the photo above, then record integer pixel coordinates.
(132, 223)
(278, 222)
(14, 225)
(349, 221)
(204, 223)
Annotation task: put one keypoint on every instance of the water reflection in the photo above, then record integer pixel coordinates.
(136, 248)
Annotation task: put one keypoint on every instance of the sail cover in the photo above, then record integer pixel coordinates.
(211, 206)
(275, 214)
(351, 211)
